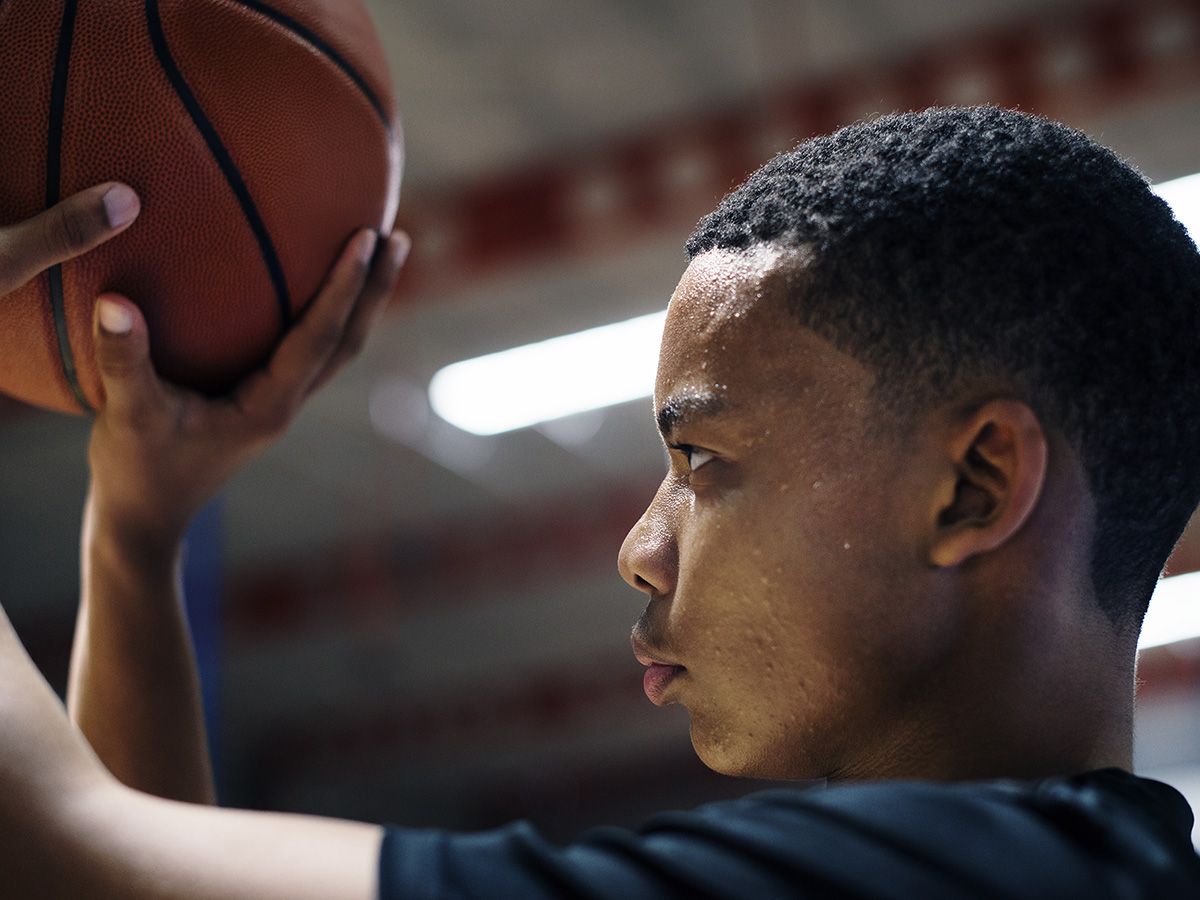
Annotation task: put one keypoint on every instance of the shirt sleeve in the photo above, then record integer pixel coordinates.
(895, 840)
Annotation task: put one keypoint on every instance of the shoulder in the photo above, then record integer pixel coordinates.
(1095, 836)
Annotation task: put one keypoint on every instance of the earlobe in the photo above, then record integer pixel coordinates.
(997, 460)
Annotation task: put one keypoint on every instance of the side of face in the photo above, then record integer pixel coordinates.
(778, 554)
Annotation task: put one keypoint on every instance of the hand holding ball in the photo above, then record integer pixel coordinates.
(258, 137)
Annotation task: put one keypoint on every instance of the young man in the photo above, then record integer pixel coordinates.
(931, 396)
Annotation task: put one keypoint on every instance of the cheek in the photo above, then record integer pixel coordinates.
(800, 577)
(760, 591)
(801, 603)
(814, 537)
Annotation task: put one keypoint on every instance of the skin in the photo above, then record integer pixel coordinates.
(102, 817)
(847, 606)
(157, 454)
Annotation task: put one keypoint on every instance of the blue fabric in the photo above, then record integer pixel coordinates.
(1104, 834)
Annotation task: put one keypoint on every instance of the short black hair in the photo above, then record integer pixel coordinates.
(969, 246)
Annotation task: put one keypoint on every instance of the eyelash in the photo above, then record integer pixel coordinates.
(689, 451)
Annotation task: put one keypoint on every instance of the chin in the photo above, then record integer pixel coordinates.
(734, 755)
(738, 755)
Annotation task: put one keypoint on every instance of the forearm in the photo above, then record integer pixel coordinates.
(158, 453)
(70, 830)
(133, 687)
(44, 764)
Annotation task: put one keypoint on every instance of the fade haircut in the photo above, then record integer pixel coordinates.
(961, 249)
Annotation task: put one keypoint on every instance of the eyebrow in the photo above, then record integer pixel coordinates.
(682, 410)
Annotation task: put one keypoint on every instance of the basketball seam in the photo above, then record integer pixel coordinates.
(321, 46)
(54, 135)
(223, 159)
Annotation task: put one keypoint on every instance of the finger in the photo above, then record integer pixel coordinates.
(76, 225)
(131, 387)
(274, 393)
(370, 307)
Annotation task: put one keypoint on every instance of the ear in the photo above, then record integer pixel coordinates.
(996, 462)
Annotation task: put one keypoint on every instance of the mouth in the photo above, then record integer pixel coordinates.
(659, 672)
(656, 679)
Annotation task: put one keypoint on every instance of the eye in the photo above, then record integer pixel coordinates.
(695, 456)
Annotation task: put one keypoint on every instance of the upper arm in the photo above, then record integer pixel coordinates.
(135, 846)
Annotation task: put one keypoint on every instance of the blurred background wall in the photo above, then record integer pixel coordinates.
(404, 622)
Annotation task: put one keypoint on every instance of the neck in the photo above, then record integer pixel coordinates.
(1016, 704)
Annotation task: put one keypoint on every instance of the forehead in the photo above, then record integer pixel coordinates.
(722, 285)
(727, 312)
(731, 334)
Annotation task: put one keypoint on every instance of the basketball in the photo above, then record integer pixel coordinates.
(258, 135)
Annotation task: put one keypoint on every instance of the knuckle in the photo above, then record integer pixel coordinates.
(115, 362)
(53, 243)
(64, 232)
(126, 358)
(131, 411)
(138, 417)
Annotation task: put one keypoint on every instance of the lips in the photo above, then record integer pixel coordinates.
(659, 671)
(656, 679)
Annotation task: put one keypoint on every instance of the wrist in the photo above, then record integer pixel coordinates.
(119, 536)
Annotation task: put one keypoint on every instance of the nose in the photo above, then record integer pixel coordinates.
(649, 557)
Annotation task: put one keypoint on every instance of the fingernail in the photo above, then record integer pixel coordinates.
(115, 318)
(366, 245)
(121, 206)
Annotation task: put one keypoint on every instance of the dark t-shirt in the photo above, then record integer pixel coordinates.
(1103, 834)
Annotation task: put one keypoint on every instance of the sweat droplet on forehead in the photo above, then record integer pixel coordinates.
(721, 285)
(731, 333)
(730, 302)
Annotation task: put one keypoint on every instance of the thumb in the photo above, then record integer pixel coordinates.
(123, 357)
(66, 230)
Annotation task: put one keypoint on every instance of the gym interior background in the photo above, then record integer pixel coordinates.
(399, 620)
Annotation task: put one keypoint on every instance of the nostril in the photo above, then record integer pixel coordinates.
(643, 584)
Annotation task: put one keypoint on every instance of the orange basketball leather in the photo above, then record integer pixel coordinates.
(298, 95)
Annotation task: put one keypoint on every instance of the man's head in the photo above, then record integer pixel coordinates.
(936, 380)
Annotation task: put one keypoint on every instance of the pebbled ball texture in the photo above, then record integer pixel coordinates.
(293, 96)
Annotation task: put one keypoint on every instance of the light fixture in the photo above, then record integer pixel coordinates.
(608, 365)
(1183, 194)
(1174, 613)
(550, 379)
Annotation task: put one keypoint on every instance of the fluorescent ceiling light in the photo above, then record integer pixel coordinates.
(550, 379)
(1184, 196)
(1174, 613)
(607, 365)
